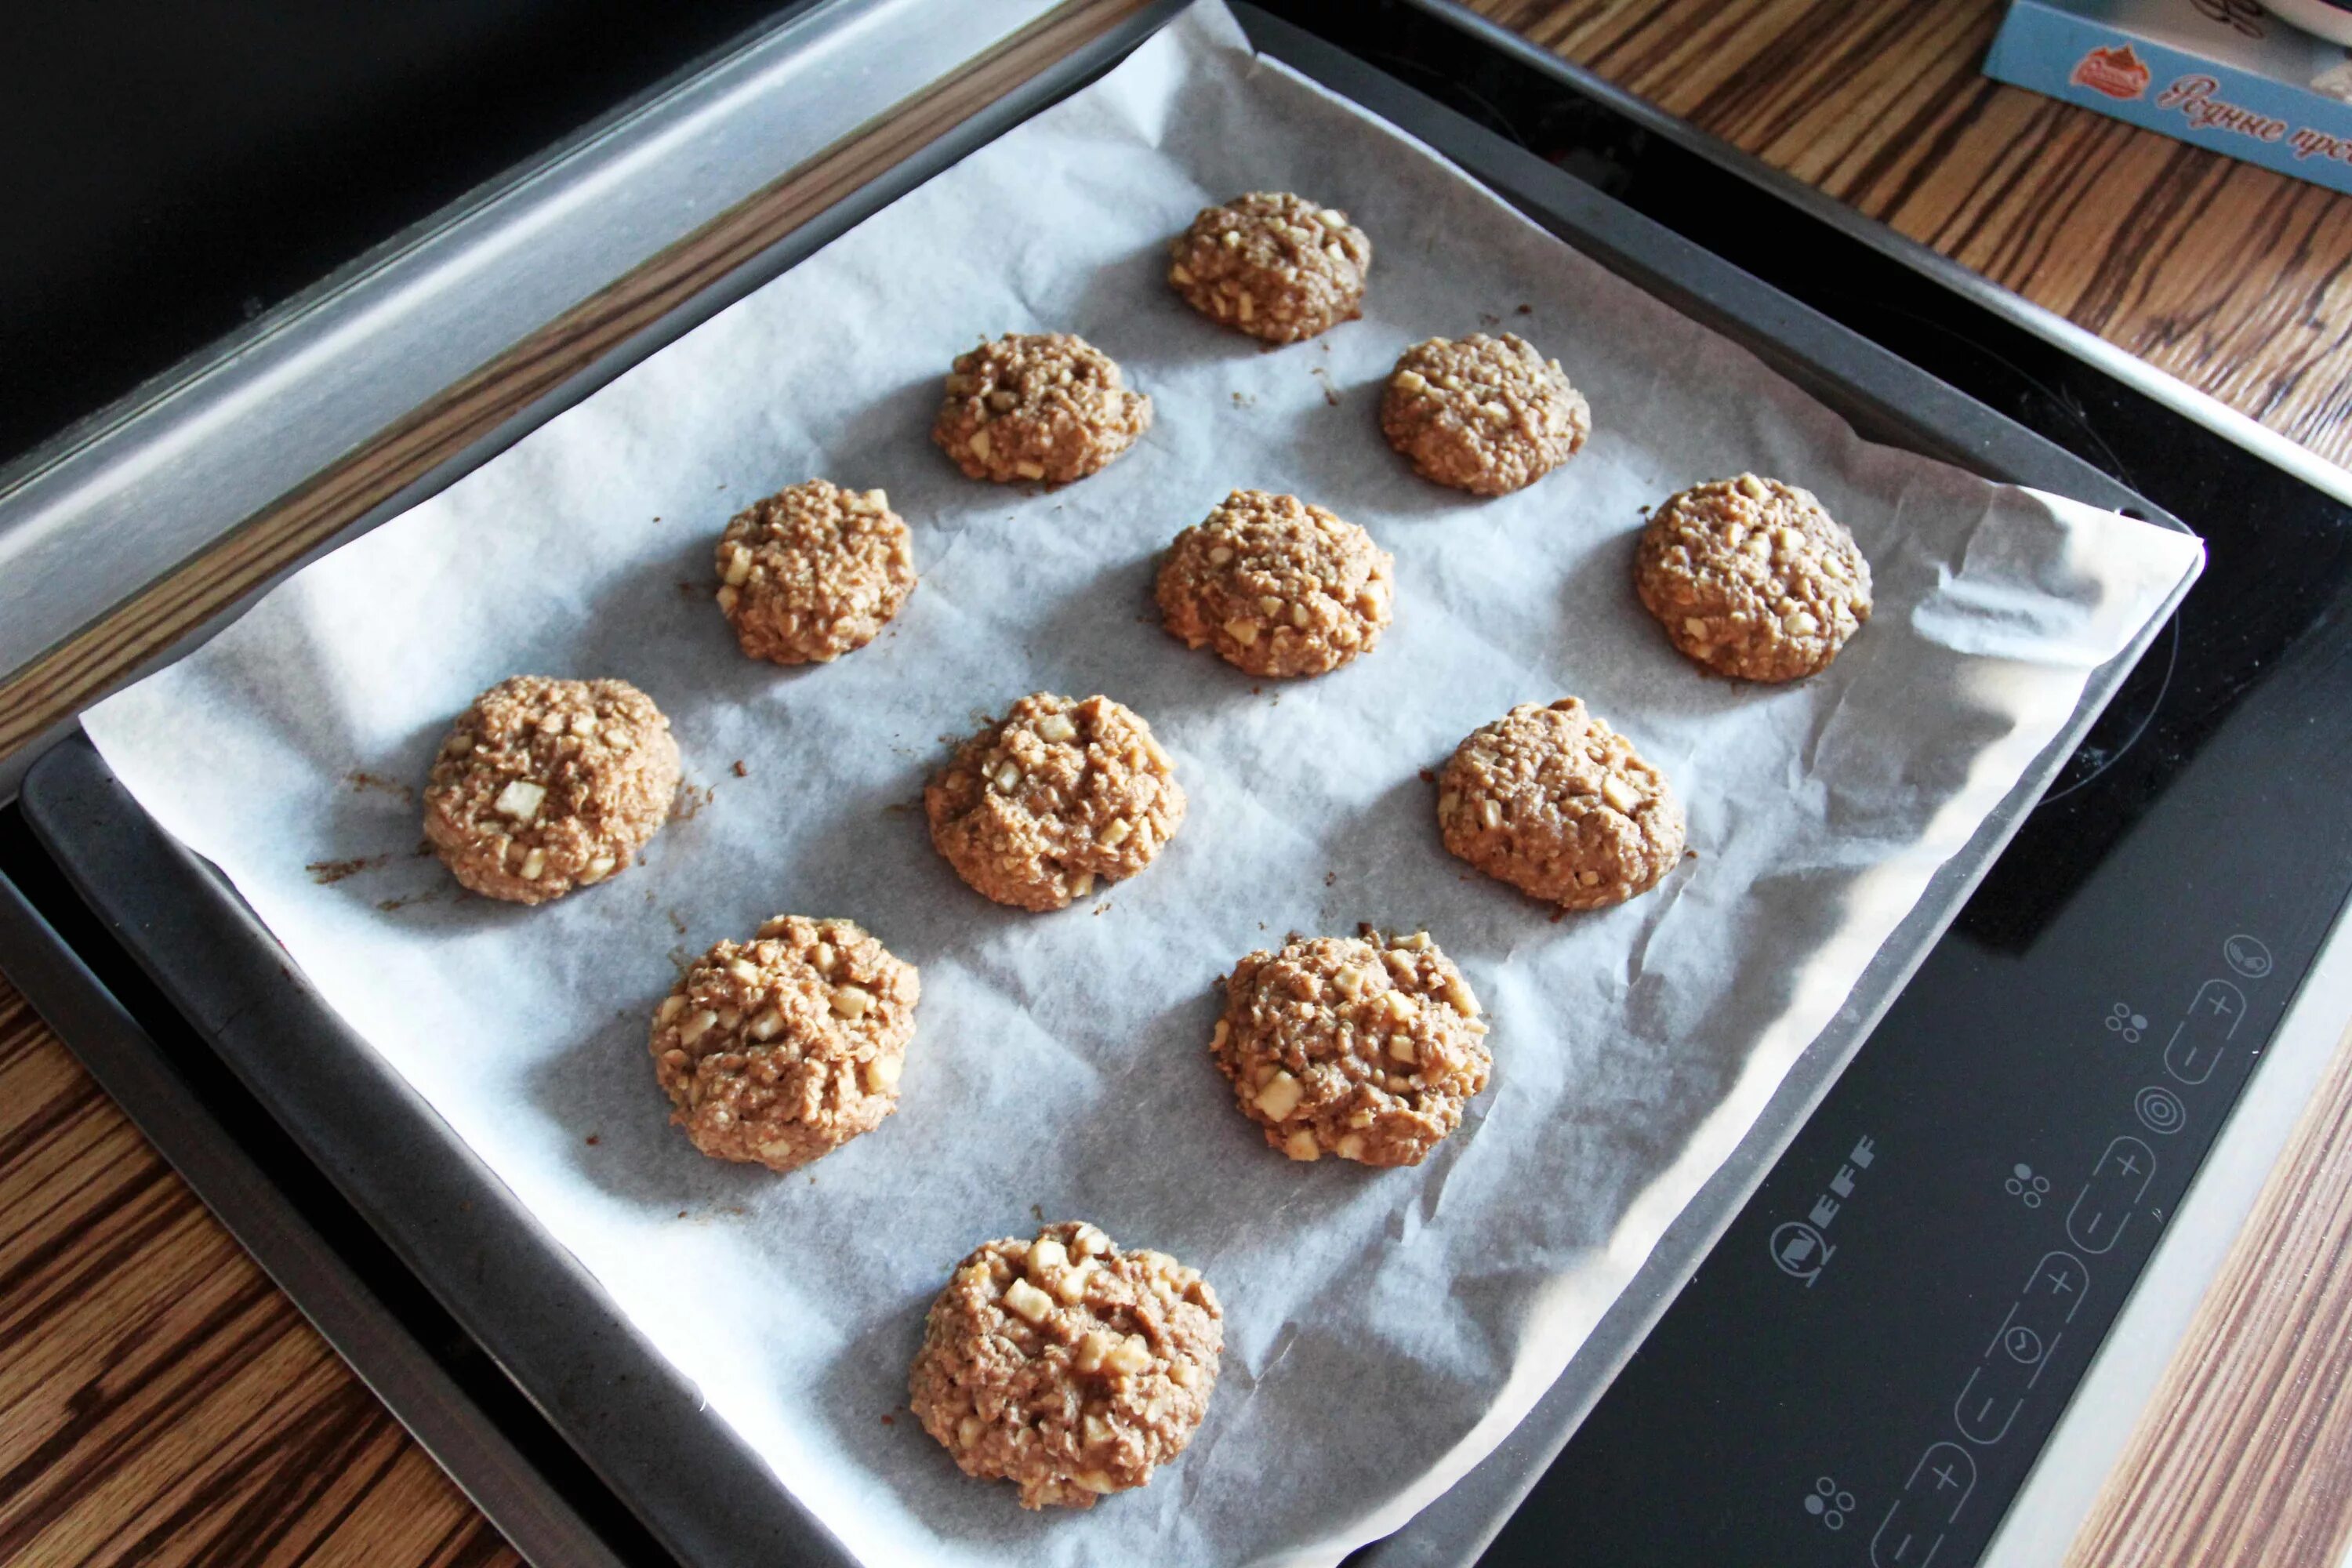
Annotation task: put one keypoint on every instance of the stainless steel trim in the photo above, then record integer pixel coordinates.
(2170, 391)
(121, 503)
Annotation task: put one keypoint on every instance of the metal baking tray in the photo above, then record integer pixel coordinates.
(502, 1281)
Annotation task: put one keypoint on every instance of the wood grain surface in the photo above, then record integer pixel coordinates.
(160, 1403)
(2236, 279)
(2244, 1454)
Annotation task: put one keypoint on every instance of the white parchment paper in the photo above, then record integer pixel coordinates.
(1385, 1329)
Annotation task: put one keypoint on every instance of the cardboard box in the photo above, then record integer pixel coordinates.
(2222, 74)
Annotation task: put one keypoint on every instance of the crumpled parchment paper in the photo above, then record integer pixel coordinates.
(1385, 1329)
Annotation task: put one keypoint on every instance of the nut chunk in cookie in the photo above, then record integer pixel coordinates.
(1554, 802)
(1277, 586)
(813, 571)
(1275, 266)
(1485, 415)
(1066, 1366)
(1753, 578)
(545, 786)
(1036, 806)
(781, 1049)
(1045, 406)
(1364, 1046)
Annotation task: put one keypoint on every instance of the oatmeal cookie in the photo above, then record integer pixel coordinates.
(1364, 1046)
(1037, 406)
(1751, 578)
(813, 571)
(1033, 808)
(1273, 265)
(781, 1049)
(1556, 804)
(1485, 415)
(1277, 586)
(545, 786)
(1066, 1366)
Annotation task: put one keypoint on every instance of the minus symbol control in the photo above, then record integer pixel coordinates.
(2109, 1199)
(2204, 1032)
(2020, 1349)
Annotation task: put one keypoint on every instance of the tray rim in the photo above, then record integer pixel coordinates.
(1658, 261)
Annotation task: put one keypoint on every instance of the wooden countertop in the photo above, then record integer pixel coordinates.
(160, 1401)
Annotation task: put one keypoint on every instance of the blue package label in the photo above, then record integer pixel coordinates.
(2100, 55)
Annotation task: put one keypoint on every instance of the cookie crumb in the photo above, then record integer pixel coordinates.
(327, 873)
(361, 781)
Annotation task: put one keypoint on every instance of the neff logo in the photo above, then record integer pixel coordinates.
(1800, 1247)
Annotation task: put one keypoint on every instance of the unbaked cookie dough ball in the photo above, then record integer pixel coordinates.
(1275, 266)
(1047, 406)
(1485, 415)
(1034, 807)
(1363, 1047)
(1277, 586)
(1556, 804)
(545, 786)
(1751, 578)
(1066, 1366)
(813, 571)
(781, 1049)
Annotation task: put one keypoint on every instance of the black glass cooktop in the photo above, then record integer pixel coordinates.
(1867, 1367)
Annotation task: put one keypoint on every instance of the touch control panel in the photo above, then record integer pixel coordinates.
(2028, 1335)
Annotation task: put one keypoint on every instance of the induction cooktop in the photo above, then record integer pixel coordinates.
(1867, 1365)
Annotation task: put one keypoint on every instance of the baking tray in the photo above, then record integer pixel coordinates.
(700, 1492)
